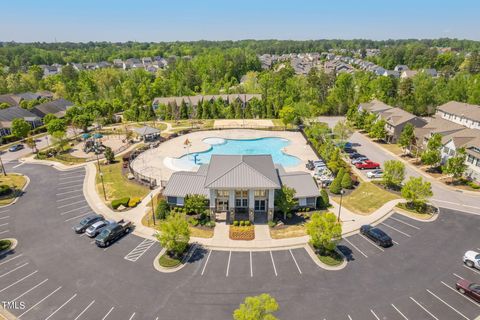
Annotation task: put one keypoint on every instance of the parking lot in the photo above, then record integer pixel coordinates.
(62, 275)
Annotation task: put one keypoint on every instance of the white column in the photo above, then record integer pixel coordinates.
(271, 198)
(231, 199)
(212, 204)
(251, 199)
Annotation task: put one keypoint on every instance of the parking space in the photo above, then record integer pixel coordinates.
(4, 223)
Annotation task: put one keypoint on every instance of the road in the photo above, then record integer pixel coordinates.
(62, 275)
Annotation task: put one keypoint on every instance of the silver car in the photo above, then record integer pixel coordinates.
(96, 228)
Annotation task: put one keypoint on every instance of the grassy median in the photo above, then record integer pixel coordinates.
(16, 182)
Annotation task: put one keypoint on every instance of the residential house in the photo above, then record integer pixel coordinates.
(374, 106)
(401, 67)
(396, 119)
(470, 140)
(9, 114)
(14, 99)
(240, 185)
(56, 107)
(433, 126)
(391, 73)
(406, 74)
(467, 115)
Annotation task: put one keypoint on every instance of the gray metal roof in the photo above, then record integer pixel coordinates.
(16, 112)
(56, 107)
(241, 171)
(183, 183)
(146, 130)
(302, 182)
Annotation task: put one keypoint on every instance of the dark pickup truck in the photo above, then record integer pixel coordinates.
(113, 232)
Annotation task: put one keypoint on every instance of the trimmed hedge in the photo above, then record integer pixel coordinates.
(120, 202)
(5, 189)
(134, 202)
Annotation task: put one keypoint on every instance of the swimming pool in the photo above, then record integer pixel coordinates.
(272, 146)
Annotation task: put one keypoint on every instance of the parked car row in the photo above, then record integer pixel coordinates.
(362, 162)
(104, 231)
(470, 289)
(322, 174)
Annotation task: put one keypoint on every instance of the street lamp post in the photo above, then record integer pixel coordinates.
(101, 178)
(153, 210)
(340, 208)
(3, 167)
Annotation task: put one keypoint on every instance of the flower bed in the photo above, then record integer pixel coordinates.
(242, 232)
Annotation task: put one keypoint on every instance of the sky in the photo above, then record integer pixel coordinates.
(181, 20)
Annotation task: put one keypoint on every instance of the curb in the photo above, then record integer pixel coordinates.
(255, 249)
(13, 246)
(407, 214)
(22, 190)
(187, 257)
(322, 265)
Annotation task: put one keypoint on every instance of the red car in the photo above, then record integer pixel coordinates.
(367, 164)
(469, 289)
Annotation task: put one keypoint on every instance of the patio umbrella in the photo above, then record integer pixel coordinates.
(97, 136)
(86, 136)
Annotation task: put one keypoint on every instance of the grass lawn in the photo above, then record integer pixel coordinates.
(168, 262)
(194, 231)
(67, 159)
(16, 182)
(366, 198)
(392, 147)
(330, 260)
(117, 185)
(288, 232)
(185, 124)
(5, 244)
(156, 124)
(413, 213)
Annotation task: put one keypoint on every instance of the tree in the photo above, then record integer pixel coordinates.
(455, 165)
(174, 233)
(20, 128)
(369, 121)
(287, 114)
(82, 121)
(48, 117)
(407, 137)
(259, 307)
(347, 182)
(342, 130)
(378, 131)
(416, 192)
(336, 186)
(393, 173)
(195, 204)
(432, 156)
(285, 200)
(163, 209)
(324, 231)
(56, 125)
(109, 155)
(30, 141)
(325, 198)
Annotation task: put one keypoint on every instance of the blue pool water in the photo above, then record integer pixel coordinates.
(272, 146)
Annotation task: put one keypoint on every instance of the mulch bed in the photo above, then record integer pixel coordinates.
(242, 232)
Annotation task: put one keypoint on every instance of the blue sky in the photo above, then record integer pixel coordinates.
(150, 20)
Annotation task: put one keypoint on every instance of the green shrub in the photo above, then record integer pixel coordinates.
(347, 182)
(210, 224)
(473, 185)
(242, 223)
(307, 209)
(193, 222)
(289, 215)
(247, 223)
(120, 202)
(5, 189)
(134, 202)
(272, 224)
(236, 223)
(162, 210)
(325, 199)
(336, 185)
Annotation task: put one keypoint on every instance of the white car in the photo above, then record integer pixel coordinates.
(375, 174)
(472, 259)
(359, 160)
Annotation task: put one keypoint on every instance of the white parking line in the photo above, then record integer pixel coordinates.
(4, 224)
(393, 228)
(71, 204)
(131, 317)
(68, 198)
(295, 260)
(355, 247)
(18, 281)
(84, 310)
(92, 242)
(4, 211)
(71, 173)
(251, 265)
(34, 287)
(350, 318)
(399, 312)
(67, 192)
(440, 299)
(206, 261)
(4, 231)
(228, 264)
(79, 216)
(82, 207)
(71, 177)
(471, 269)
(68, 182)
(68, 187)
(456, 275)
(395, 242)
(105, 317)
(454, 290)
(425, 309)
(405, 223)
(13, 270)
(6, 217)
(273, 263)
(374, 314)
(36, 304)
(82, 235)
(21, 254)
(370, 241)
(139, 250)
(63, 305)
(18, 165)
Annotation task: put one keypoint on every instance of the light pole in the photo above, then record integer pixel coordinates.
(153, 210)
(101, 178)
(340, 208)
(3, 167)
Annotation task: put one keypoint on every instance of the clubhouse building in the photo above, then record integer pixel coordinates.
(241, 186)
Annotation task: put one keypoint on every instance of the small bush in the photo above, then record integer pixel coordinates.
(210, 224)
(473, 185)
(307, 209)
(272, 224)
(162, 210)
(134, 202)
(236, 223)
(247, 223)
(242, 223)
(5, 189)
(120, 202)
(193, 222)
(289, 215)
(347, 182)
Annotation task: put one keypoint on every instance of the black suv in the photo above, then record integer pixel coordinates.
(376, 235)
(87, 222)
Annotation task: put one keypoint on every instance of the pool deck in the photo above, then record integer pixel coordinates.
(160, 163)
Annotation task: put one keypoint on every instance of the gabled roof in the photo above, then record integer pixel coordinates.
(302, 182)
(56, 107)
(146, 130)
(241, 171)
(182, 183)
(463, 138)
(470, 111)
(9, 99)
(375, 106)
(396, 116)
(16, 112)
